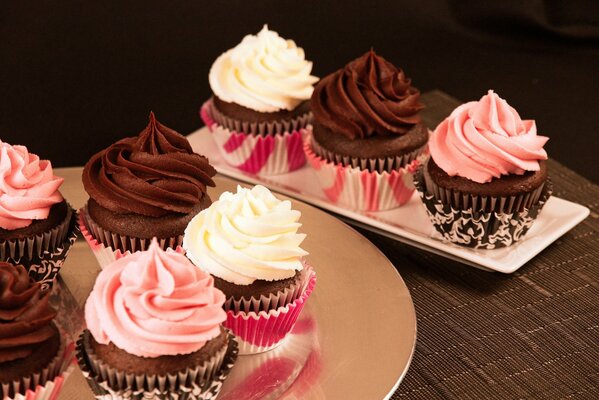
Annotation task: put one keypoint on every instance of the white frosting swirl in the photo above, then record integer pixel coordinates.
(246, 236)
(264, 72)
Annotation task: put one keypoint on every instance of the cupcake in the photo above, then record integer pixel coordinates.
(486, 181)
(155, 329)
(37, 225)
(260, 104)
(367, 136)
(35, 355)
(142, 187)
(248, 242)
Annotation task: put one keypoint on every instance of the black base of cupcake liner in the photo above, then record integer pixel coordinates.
(479, 229)
(102, 389)
(44, 267)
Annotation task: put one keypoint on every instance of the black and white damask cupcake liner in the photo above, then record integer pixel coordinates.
(202, 382)
(51, 249)
(477, 229)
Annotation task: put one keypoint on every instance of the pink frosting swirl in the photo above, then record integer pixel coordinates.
(485, 139)
(28, 187)
(154, 303)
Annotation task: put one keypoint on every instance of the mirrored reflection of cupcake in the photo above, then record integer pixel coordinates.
(486, 181)
(142, 187)
(35, 355)
(155, 330)
(260, 104)
(367, 135)
(37, 225)
(249, 242)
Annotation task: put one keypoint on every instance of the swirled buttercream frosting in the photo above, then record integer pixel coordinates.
(25, 315)
(264, 72)
(154, 303)
(152, 174)
(486, 139)
(368, 96)
(28, 187)
(245, 236)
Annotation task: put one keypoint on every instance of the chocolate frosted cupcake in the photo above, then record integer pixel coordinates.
(486, 180)
(249, 242)
(141, 187)
(37, 226)
(33, 352)
(260, 105)
(367, 136)
(155, 330)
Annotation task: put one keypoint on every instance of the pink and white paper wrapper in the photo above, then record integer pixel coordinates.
(254, 153)
(260, 331)
(49, 387)
(361, 189)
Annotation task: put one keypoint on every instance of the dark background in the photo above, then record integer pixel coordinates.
(76, 76)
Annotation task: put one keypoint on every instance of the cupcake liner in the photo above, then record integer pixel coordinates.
(34, 247)
(379, 165)
(254, 153)
(103, 242)
(46, 384)
(210, 115)
(478, 229)
(200, 382)
(261, 331)
(361, 189)
(44, 267)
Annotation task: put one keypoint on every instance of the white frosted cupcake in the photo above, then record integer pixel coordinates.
(260, 104)
(248, 241)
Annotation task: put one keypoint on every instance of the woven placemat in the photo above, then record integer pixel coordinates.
(531, 334)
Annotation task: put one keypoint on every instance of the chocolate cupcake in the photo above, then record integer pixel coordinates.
(249, 242)
(37, 226)
(260, 104)
(487, 179)
(367, 137)
(33, 351)
(142, 187)
(155, 329)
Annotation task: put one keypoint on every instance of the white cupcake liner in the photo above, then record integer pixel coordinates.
(479, 229)
(264, 330)
(253, 128)
(47, 384)
(103, 242)
(202, 382)
(44, 267)
(360, 189)
(256, 153)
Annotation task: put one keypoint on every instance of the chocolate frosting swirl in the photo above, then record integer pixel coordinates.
(369, 96)
(153, 174)
(25, 315)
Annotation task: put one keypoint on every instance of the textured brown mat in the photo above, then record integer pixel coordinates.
(532, 334)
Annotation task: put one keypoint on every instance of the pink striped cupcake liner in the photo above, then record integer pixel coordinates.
(261, 331)
(254, 153)
(361, 189)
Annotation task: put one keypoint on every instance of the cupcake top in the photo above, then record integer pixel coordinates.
(154, 303)
(486, 139)
(25, 315)
(28, 187)
(246, 236)
(264, 72)
(152, 174)
(367, 97)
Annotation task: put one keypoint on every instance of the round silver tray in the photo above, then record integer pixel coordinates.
(355, 338)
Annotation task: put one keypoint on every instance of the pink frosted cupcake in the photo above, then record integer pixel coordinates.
(155, 330)
(487, 179)
(249, 242)
(260, 104)
(37, 225)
